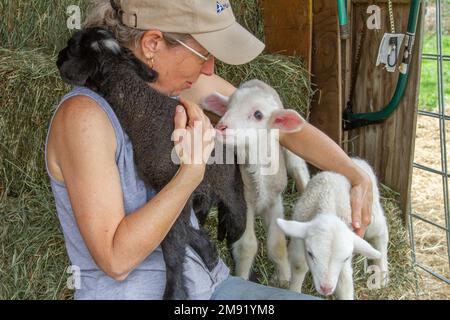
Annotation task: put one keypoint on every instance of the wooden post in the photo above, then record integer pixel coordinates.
(327, 107)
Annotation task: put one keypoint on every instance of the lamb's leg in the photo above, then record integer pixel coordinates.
(298, 170)
(381, 243)
(174, 251)
(232, 216)
(201, 208)
(299, 267)
(276, 241)
(344, 288)
(205, 248)
(244, 250)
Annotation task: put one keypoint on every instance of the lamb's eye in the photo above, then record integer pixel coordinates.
(310, 255)
(258, 115)
(347, 259)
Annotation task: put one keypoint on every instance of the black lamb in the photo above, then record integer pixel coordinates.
(94, 58)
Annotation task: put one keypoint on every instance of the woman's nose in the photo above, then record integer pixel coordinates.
(208, 67)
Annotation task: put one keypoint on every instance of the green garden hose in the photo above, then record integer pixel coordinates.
(356, 120)
(343, 22)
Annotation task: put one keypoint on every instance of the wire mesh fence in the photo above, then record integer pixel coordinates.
(429, 218)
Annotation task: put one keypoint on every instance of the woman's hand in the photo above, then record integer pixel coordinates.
(361, 203)
(193, 136)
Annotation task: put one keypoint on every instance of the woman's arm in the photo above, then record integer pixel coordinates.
(206, 85)
(85, 144)
(312, 145)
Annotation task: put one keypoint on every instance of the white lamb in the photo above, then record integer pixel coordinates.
(256, 107)
(323, 241)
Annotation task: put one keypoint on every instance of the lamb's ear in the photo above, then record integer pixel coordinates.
(364, 248)
(286, 120)
(293, 228)
(216, 103)
(74, 70)
(79, 60)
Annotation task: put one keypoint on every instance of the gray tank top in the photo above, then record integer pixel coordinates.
(148, 280)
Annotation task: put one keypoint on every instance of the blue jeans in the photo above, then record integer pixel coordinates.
(235, 288)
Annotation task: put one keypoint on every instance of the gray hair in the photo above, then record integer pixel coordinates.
(102, 14)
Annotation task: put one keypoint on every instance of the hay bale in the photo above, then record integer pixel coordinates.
(33, 258)
(31, 88)
(35, 23)
(286, 74)
(249, 14)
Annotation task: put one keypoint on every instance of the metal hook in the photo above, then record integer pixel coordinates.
(392, 61)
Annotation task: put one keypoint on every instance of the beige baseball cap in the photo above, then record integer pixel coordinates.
(210, 22)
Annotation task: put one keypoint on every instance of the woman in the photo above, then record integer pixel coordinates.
(113, 225)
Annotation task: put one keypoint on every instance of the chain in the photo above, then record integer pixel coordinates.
(391, 16)
(357, 60)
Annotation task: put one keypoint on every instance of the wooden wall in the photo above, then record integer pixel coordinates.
(288, 27)
(389, 147)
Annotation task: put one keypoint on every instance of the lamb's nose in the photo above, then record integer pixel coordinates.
(326, 291)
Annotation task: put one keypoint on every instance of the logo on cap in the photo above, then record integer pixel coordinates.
(221, 7)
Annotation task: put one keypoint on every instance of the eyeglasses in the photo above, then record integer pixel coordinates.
(198, 54)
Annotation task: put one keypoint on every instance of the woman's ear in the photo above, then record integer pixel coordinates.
(151, 42)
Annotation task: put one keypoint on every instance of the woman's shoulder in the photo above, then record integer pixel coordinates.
(80, 106)
(82, 113)
(80, 120)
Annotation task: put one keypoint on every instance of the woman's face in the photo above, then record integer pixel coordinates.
(178, 67)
